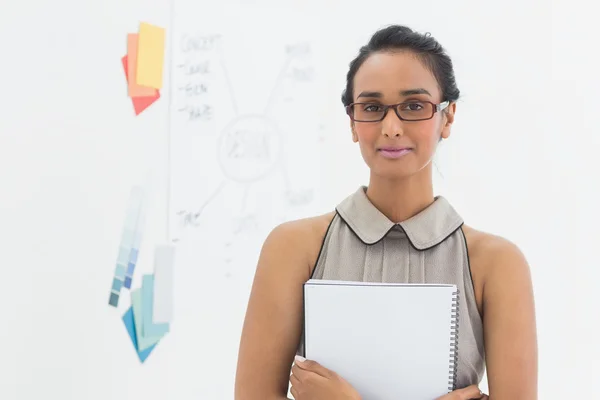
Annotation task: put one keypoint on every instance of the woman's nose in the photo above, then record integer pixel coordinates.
(392, 125)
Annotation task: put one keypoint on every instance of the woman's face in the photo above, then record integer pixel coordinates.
(393, 148)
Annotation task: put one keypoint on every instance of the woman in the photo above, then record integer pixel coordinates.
(401, 101)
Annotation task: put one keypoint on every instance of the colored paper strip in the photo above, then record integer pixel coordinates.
(143, 341)
(164, 261)
(135, 245)
(134, 205)
(133, 89)
(149, 327)
(150, 57)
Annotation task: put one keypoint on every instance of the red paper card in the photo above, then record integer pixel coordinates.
(140, 103)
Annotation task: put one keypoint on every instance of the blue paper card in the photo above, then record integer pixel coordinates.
(130, 325)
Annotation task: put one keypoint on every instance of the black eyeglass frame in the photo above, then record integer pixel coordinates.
(436, 108)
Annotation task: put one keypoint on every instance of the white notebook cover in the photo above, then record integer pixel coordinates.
(389, 341)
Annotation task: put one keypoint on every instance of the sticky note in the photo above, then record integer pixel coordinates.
(149, 327)
(129, 322)
(133, 89)
(143, 341)
(164, 260)
(140, 103)
(150, 57)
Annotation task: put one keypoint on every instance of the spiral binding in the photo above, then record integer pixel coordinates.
(454, 343)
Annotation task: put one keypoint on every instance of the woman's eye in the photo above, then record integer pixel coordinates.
(413, 106)
(372, 108)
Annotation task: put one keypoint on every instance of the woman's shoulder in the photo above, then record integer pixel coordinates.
(491, 254)
(488, 245)
(304, 228)
(301, 238)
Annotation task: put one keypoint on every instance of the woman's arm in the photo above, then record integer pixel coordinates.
(509, 322)
(273, 323)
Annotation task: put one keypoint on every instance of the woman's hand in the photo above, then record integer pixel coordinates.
(312, 381)
(469, 393)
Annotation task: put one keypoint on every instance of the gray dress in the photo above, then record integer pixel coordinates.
(362, 244)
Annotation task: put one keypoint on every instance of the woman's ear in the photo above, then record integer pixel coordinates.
(354, 135)
(448, 121)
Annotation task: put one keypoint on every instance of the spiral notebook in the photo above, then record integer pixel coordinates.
(389, 341)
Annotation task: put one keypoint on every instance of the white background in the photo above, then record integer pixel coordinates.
(522, 162)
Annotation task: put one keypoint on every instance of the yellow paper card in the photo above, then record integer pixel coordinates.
(150, 57)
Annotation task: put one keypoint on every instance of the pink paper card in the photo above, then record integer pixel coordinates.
(134, 89)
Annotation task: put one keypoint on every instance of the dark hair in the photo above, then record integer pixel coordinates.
(424, 46)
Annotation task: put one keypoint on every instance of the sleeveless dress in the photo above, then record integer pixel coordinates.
(362, 244)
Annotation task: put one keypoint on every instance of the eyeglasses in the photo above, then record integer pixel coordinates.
(407, 111)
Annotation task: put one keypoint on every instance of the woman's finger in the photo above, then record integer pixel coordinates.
(294, 392)
(469, 393)
(299, 372)
(313, 366)
(294, 380)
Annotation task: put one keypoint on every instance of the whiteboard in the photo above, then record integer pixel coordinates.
(71, 149)
(244, 137)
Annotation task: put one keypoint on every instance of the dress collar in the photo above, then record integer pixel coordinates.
(426, 229)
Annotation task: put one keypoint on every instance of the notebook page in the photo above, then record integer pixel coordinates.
(389, 341)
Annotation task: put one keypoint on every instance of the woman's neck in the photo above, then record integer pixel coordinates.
(400, 199)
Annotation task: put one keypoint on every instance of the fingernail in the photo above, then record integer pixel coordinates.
(299, 359)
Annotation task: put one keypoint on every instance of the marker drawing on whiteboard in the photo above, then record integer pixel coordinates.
(197, 77)
(192, 68)
(299, 198)
(280, 77)
(227, 80)
(295, 73)
(296, 69)
(245, 223)
(249, 148)
(190, 218)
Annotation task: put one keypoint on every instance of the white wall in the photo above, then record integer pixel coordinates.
(70, 150)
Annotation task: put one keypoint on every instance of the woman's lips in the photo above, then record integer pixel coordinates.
(394, 152)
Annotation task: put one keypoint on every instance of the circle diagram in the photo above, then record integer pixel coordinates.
(249, 148)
